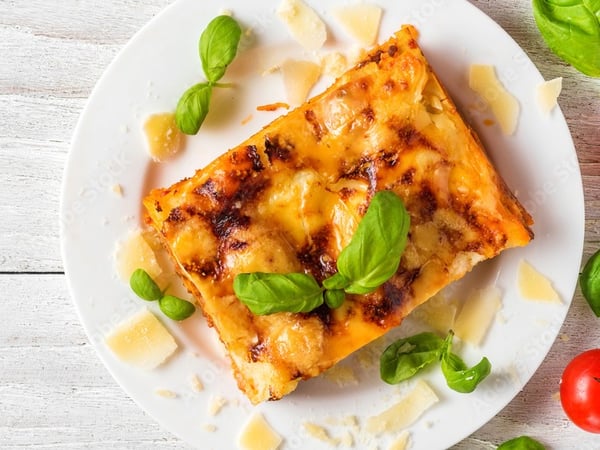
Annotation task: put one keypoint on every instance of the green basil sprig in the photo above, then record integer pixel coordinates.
(217, 47)
(521, 443)
(572, 30)
(370, 259)
(406, 357)
(459, 377)
(589, 281)
(146, 288)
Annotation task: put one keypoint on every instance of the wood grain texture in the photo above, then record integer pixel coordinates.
(55, 393)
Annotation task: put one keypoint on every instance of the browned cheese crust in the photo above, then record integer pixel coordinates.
(290, 197)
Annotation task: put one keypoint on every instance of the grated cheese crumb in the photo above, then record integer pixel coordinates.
(320, 433)
(197, 385)
(117, 189)
(215, 405)
(165, 393)
(208, 427)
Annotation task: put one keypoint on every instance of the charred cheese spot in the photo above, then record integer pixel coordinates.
(276, 150)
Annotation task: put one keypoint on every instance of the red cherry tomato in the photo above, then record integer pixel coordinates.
(580, 391)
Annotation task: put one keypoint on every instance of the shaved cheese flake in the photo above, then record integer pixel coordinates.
(135, 253)
(535, 286)
(438, 312)
(163, 137)
(361, 21)
(303, 23)
(547, 94)
(257, 434)
(477, 314)
(142, 341)
(405, 412)
(483, 80)
(298, 78)
(401, 442)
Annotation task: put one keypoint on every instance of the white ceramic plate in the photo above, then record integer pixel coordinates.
(538, 162)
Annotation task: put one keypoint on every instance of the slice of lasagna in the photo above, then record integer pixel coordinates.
(290, 197)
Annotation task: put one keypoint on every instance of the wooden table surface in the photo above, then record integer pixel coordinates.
(54, 391)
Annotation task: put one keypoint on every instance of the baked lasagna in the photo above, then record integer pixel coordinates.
(289, 198)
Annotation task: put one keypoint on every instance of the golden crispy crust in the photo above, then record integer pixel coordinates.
(289, 198)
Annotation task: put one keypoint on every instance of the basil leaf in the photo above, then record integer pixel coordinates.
(218, 46)
(268, 293)
(572, 30)
(521, 443)
(334, 297)
(144, 286)
(459, 377)
(176, 308)
(373, 255)
(192, 108)
(405, 357)
(589, 281)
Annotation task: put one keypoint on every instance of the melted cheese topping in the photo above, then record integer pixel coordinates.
(483, 80)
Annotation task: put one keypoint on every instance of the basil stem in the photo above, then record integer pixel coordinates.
(589, 281)
(521, 443)
(144, 286)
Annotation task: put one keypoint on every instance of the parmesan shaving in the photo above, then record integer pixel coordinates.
(142, 341)
(547, 94)
(303, 23)
(401, 442)
(477, 314)
(298, 78)
(535, 286)
(405, 412)
(483, 80)
(136, 253)
(320, 433)
(257, 434)
(360, 21)
(163, 137)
